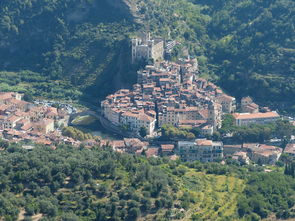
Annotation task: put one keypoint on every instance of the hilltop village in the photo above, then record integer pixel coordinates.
(166, 93)
(173, 93)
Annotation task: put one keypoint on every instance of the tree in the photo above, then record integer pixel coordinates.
(4, 144)
(134, 213)
(69, 217)
(143, 131)
(228, 124)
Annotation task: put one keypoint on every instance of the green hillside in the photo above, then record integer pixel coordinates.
(80, 48)
(64, 49)
(81, 184)
(253, 48)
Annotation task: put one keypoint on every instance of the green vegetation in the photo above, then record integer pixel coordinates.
(143, 131)
(79, 49)
(173, 133)
(77, 134)
(257, 133)
(85, 120)
(99, 184)
(266, 194)
(73, 48)
(252, 48)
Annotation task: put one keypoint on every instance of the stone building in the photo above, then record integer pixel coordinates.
(146, 48)
(215, 115)
(248, 106)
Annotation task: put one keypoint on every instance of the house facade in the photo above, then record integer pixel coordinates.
(246, 119)
(201, 150)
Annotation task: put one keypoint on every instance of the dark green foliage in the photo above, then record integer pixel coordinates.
(258, 133)
(172, 133)
(143, 131)
(74, 184)
(98, 184)
(268, 193)
(77, 134)
(70, 46)
(252, 48)
(290, 169)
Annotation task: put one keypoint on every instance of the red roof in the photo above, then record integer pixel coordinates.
(167, 147)
(243, 116)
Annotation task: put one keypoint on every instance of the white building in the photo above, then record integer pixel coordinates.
(173, 116)
(201, 150)
(246, 119)
(135, 121)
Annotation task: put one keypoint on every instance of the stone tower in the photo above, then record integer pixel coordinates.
(214, 115)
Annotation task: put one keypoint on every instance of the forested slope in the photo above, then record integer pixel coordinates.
(69, 45)
(253, 48)
(71, 183)
(81, 47)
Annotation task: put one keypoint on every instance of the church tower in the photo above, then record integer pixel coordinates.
(214, 115)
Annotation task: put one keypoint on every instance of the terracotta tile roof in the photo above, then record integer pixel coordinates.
(226, 98)
(133, 142)
(204, 142)
(232, 146)
(290, 148)
(242, 116)
(167, 147)
(13, 118)
(173, 157)
(248, 99)
(150, 152)
(267, 147)
(117, 143)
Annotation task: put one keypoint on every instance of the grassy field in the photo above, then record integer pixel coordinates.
(215, 195)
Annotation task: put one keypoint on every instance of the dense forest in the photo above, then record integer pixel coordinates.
(98, 184)
(253, 48)
(80, 48)
(64, 49)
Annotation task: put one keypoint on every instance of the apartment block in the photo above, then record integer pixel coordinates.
(246, 119)
(201, 150)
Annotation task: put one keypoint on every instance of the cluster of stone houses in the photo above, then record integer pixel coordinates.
(21, 120)
(169, 93)
(258, 153)
(203, 150)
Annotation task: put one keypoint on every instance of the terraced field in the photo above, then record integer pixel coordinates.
(215, 196)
